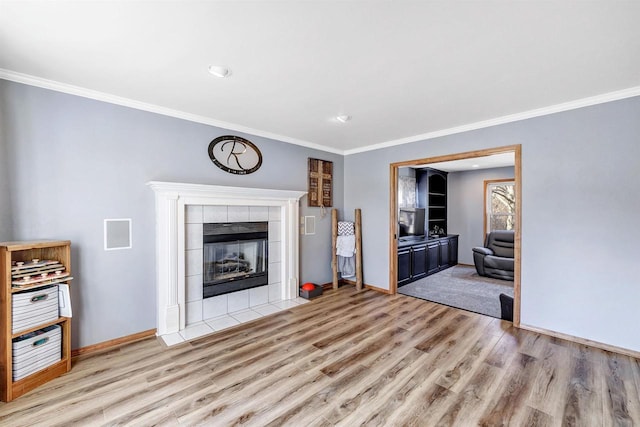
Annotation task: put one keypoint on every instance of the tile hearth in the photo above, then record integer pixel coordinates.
(219, 323)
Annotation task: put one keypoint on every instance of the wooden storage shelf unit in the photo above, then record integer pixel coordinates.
(58, 321)
(58, 250)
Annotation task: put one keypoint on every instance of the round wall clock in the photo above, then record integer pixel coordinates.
(235, 155)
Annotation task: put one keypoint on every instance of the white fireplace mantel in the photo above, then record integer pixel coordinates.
(171, 199)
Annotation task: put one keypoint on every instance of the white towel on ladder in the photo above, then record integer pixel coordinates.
(346, 246)
(347, 266)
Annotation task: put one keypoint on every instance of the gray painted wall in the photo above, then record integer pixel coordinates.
(581, 196)
(580, 204)
(407, 172)
(72, 162)
(465, 207)
(5, 205)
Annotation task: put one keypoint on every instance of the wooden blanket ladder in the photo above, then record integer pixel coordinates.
(358, 254)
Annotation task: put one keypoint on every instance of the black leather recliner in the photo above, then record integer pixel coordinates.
(496, 258)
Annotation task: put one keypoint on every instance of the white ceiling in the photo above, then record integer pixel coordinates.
(485, 162)
(404, 70)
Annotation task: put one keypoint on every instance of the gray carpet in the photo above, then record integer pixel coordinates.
(461, 287)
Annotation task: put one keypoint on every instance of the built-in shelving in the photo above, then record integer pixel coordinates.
(432, 195)
(437, 250)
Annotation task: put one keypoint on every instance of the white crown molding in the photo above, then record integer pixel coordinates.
(131, 103)
(571, 105)
(126, 102)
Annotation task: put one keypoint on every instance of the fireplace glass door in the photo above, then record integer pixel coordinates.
(235, 257)
(226, 261)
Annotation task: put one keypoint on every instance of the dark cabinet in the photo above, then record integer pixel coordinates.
(453, 251)
(444, 252)
(412, 263)
(418, 262)
(420, 258)
(404, 266)
(433, 257)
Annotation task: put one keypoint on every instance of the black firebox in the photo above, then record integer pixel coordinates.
(235, 257)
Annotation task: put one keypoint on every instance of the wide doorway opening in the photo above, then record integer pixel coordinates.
(455, 229)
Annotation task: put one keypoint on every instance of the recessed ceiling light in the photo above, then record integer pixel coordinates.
(475, 166)
(343, 118)
(219, 71)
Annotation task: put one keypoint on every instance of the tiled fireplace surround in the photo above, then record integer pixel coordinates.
(181, 211)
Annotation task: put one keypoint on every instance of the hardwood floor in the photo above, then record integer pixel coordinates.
(347, 358)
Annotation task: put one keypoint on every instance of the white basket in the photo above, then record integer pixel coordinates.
(36, 350)
(33, 308)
